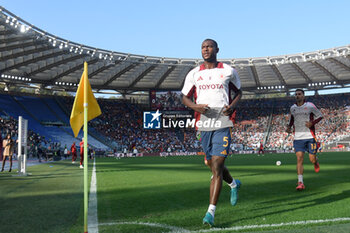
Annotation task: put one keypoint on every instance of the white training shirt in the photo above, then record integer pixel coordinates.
(299, 116)
(212, 87)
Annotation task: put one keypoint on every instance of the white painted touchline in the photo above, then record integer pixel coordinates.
(92, 211)
(174, 229)
(237, 228)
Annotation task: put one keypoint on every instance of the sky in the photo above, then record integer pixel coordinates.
(176, 28)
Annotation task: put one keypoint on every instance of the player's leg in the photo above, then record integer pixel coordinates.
(206, 138)
(217, 167)
(300, 162)
(208, 164)
(226, 174)
(312, 149)
(233, 184)
(74, 157)
(314, 161)
(300, 148)
(81, 160)
(300, 170)
(220, 146)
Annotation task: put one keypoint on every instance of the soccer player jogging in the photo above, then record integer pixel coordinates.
(261, 149)
(73, 149)
(211, 85)
(81, 153)
(304, 117)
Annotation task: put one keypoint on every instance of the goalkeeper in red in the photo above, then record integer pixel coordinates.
(211, 85)
(304, 117)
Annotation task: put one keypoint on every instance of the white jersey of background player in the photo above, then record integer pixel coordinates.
(302, 114)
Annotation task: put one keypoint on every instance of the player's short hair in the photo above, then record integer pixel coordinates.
(215, 43)
(300, 90)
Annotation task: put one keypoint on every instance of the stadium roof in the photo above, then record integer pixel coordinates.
(31, 56)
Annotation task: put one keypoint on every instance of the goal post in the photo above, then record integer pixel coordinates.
(22, 146)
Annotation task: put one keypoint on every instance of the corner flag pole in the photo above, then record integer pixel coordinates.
(85, 148)
(85, 108)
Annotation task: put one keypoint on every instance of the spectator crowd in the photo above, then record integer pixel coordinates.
(258, 121)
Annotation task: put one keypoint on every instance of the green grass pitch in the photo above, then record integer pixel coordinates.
(156, 194)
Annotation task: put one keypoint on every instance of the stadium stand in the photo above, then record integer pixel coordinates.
(257, 121)
(45, 117)
(121, 124)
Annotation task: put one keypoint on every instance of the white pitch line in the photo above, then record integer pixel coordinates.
(92, 211)
(172, 228)
(238, 228)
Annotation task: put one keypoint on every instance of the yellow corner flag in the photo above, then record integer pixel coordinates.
(85, 108)
(77, 115)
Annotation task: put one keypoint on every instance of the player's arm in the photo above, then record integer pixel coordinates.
(290, 124)
(310, 124)
(230, 108)
(201, 108)
(235, 85)
(318, 116)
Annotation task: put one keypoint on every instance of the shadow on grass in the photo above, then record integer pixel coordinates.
(40, 213)
(50, 200)
(295, 206)
(181, 202)
(159, 201)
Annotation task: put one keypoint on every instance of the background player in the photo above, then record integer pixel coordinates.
(73, 149)
(211, 84)
(81, 153)
(304, 117)
(261, 149)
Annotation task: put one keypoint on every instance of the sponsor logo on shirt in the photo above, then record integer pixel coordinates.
(210, 86)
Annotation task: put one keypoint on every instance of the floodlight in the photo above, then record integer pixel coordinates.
(22, 28)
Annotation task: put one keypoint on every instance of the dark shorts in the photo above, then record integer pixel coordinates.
(216, 142)
(306, 145)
